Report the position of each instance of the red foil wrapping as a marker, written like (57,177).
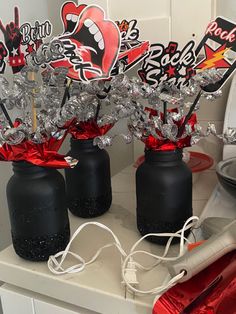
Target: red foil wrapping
(88,130)
(165,145)
(212,291)
(44,155)
(198,162)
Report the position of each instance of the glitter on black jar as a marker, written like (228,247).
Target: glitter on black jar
(38,213)
(88,185)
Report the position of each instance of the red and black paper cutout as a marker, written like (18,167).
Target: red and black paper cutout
(172,65)
(3,55)
(128,29)
(34,35)
(219,40)
(13,38)
(92,42)
(132,50)
(169,64)
(21,40)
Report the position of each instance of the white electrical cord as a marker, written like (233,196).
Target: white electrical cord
(56,267)
(173,281)
(55,263)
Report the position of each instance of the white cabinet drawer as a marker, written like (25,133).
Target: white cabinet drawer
(15,303)
(42,307)
(20,301)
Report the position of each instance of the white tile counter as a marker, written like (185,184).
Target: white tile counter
(97,289)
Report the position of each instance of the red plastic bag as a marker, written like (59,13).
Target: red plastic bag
(212,291)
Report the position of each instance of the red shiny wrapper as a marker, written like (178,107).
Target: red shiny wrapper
(212,291)
(152,143)
(88,130)
(197,162)
(44,155)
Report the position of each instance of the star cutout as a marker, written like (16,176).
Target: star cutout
(15,52)
(30,48)
(170,71)
(214,58)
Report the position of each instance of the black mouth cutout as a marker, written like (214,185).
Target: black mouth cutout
(70,27)
(87,39)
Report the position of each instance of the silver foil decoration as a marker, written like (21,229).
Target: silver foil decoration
(127,137)
(71,161)
(229,136)
(169,132)
(103,141)
(13,136)
(126,98)
(47,53)
(212,96)
(106,140)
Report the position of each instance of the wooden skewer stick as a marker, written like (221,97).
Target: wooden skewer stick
(66,93)
(34,111)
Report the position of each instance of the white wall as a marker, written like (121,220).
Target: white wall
(189,19)
(226,8)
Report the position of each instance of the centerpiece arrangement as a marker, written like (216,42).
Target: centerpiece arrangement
(89,192)
(36,192)
(51,106)
(60,106)
(164,118)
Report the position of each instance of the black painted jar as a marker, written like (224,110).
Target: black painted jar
(88,185)
(38,214)
(164,193)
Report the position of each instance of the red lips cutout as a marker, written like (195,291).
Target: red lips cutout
(96,42)
(70,8)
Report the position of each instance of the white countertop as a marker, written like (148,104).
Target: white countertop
(98,288)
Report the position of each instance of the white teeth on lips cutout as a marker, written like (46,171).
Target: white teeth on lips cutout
(69,17)
(98,36)
(88,23)
(101,45)
(72,17)
(94,30)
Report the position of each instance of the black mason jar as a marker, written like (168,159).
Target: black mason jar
(38,214)
(88,185)
(164,193)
